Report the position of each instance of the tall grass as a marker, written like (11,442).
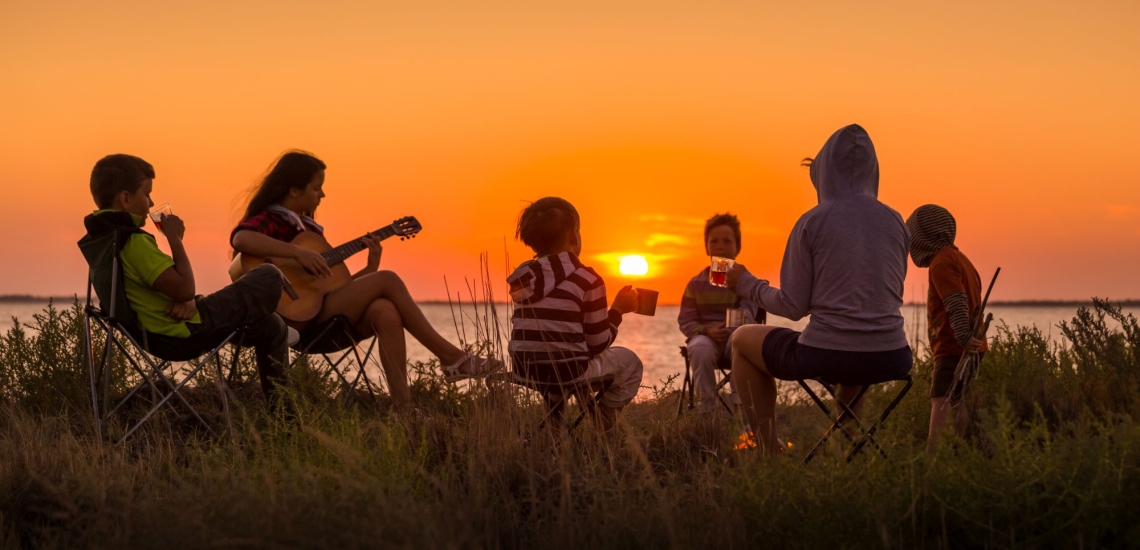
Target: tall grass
(1054,462)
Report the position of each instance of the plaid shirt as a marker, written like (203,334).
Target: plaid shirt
(270,224)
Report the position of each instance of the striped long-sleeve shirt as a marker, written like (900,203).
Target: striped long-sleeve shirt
(952,302)
(560,320)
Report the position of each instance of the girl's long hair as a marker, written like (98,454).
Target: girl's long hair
(292,170)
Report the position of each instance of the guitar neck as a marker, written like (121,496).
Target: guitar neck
(341,253)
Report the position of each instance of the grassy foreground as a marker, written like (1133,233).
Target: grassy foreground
(1054,462)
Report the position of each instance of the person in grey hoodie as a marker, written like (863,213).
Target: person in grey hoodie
(844,265)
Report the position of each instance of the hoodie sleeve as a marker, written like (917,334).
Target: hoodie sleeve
(796,274)
(689,318)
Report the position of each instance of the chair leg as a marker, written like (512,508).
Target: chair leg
(838,422)
(589,405)
(819,403)
(869,434)
(223,383)
(306,351)
(847,412)
(362,363)
(108,355)
(686,384)
(89,360)
(587,408)
(724,382)
(555,411)
(145,382)
(234,361)
(156,369)
(334,367)
(175,389)
(223,393)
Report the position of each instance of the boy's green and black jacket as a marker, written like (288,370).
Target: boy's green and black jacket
(140,305)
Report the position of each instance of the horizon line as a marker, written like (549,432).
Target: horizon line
(1035,302)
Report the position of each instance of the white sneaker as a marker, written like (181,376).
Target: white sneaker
(474,367)
(293,336)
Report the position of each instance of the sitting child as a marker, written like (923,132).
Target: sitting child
(952,306)
(160,288)
(703,307)
(561,331)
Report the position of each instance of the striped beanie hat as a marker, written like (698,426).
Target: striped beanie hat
(932,228)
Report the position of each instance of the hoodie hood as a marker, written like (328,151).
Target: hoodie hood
(932,228)
(537,278)
(846,166)
(102,222)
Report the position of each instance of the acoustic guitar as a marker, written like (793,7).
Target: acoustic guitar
(308,291)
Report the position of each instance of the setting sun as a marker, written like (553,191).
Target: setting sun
(633,265)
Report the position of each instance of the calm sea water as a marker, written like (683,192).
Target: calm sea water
(655,339)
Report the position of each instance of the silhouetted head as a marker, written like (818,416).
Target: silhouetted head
(845,166)
(116,175)
(293,171)
(722,236)
(932,228)
(550,225)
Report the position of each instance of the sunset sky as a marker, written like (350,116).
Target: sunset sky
(1021,118)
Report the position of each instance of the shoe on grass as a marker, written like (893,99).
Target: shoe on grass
(470,366)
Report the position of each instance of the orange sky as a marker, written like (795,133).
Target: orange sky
(1020,119)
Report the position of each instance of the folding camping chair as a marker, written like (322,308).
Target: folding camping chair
(866,433)
(331,336)
(724,367)
(587,392)
(121,332)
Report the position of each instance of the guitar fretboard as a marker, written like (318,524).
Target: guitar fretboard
(341,253)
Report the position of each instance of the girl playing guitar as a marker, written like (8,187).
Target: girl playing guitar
(376,302)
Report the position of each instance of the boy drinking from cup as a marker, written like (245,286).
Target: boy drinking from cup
(561,329)
(160,288)
(704,310)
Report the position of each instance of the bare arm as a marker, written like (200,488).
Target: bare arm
(375,250)
(176,282)
(256,244)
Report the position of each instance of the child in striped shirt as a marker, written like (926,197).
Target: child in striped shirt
(561,330)
(702,315)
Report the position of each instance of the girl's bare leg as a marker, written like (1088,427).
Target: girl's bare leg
(383,320)
(354,298)
(757,388)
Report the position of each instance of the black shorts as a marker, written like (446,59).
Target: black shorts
(787,359)
(943,376)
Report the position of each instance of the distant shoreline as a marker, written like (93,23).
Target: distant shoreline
(1059,303)
(29,298)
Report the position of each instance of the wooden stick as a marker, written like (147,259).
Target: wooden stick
(962,371)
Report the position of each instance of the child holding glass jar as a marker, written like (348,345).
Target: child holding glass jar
(706,307)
